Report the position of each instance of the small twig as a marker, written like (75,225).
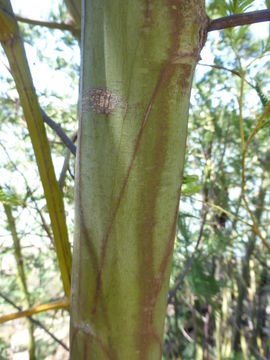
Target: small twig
(57,128)
(44,225)
(243,185)
(221,209)
(221,68)
(65,166)
(47,24)
(66,163)
(54,305)
(181,277)
(239,19)
(36,322)
(232,71)
(240,102)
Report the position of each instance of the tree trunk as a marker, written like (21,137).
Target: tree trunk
(138,60)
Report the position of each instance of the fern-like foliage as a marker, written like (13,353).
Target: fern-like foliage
(229,7)
(265,101)
(8,197)
(238,6)
(263,98)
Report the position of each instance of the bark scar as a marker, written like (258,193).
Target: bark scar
(100,100)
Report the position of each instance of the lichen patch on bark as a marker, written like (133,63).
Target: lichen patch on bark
(100,101)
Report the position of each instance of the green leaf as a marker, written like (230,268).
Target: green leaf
(190,179)
(190,189)
(238,6)
(261,95)
(190,185)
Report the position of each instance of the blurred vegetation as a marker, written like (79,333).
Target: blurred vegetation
(221,308)
(219,301)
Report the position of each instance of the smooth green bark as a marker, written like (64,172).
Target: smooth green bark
(138,60)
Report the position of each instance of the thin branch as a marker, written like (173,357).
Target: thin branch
(243,185)
(55,305)
(44,225)
(240,102)
(36,322)
(239,19)
(54,126)
(13,46)
(220,163)
(48,24)
(219,67)
(66,163)
(57,128)
(232,71)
